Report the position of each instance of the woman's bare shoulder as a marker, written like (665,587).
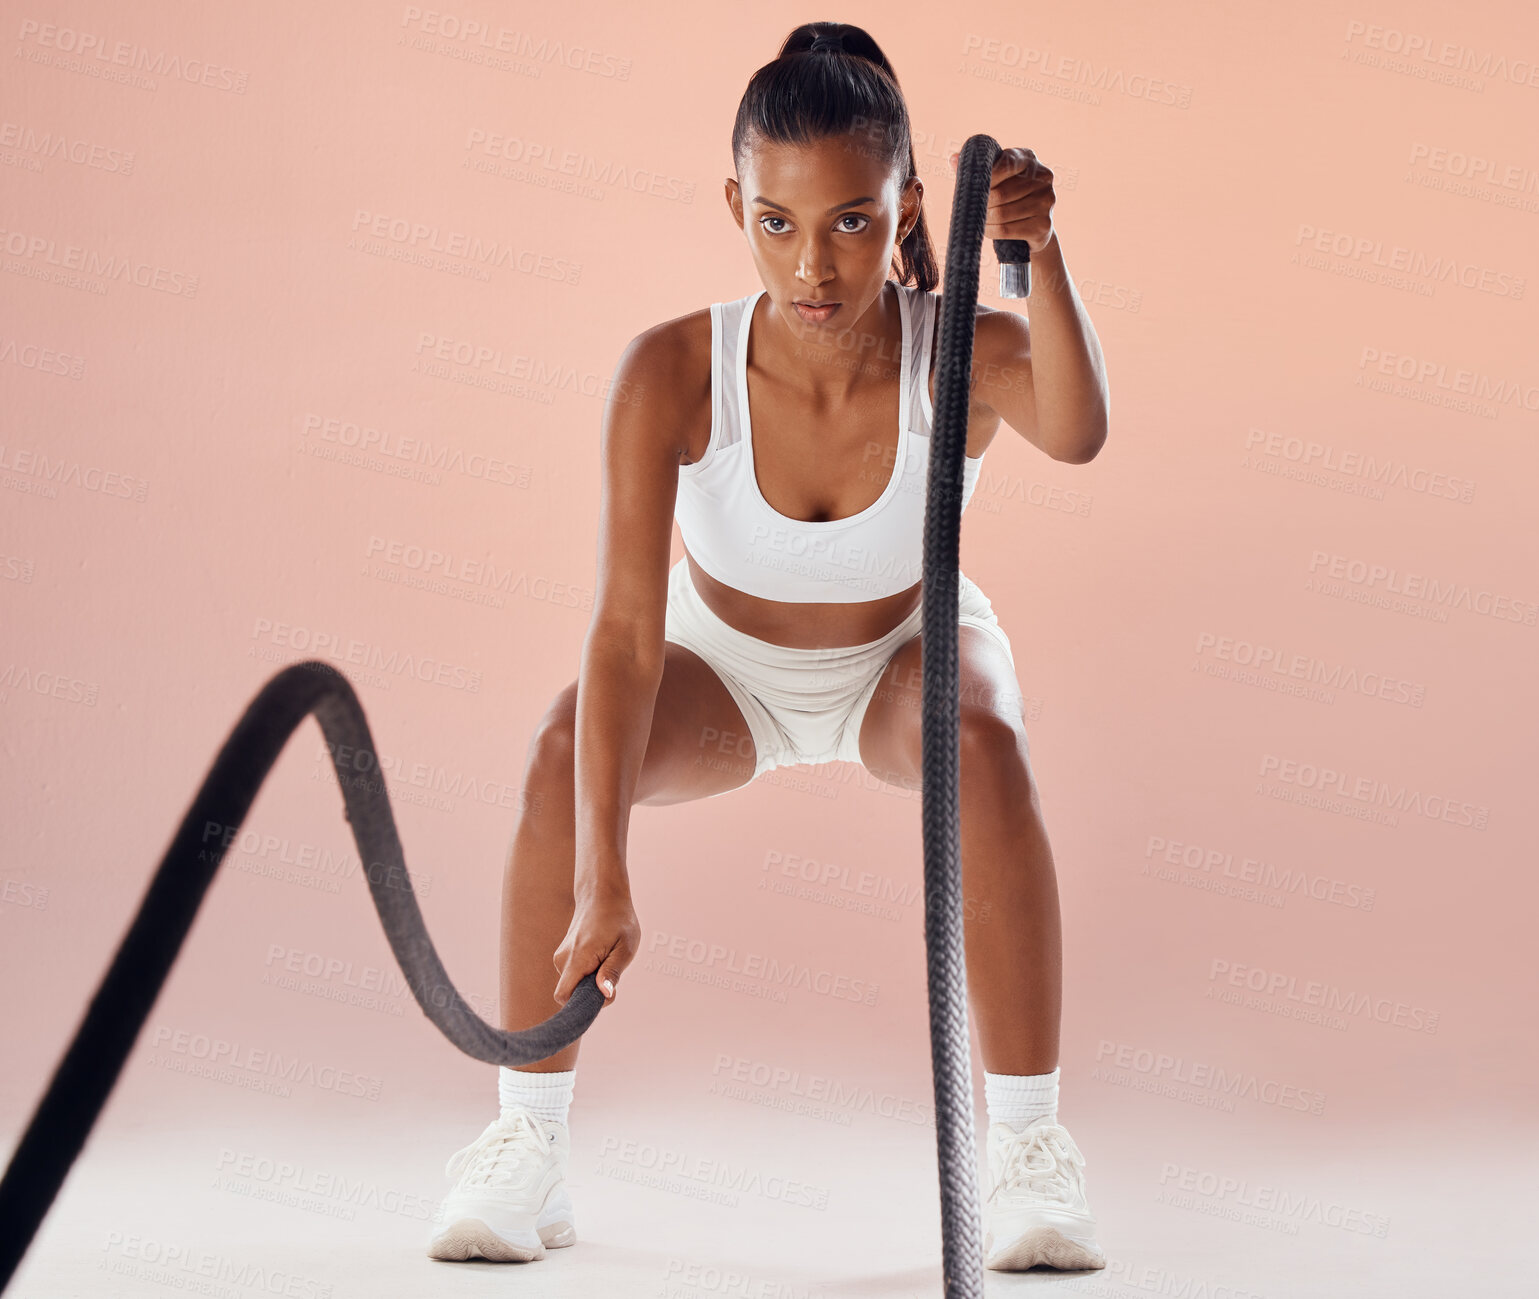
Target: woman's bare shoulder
(980,330)
(671,361)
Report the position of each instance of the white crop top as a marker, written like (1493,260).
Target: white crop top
(739,539)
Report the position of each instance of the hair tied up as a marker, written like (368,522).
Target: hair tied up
(795,101)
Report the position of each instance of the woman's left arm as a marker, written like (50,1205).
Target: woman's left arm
(1048,381)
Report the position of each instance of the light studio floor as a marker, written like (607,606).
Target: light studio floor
(269,1200)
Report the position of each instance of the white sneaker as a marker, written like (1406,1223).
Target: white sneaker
(1036,1211)
(510,1202)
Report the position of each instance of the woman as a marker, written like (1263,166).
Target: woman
(788,433)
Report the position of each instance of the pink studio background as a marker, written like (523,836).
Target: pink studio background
(1319,328)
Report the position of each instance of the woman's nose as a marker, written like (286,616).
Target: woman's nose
(813,268)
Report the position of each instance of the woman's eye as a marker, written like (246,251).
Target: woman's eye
(849,230)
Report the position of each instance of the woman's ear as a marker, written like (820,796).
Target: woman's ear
(909,207)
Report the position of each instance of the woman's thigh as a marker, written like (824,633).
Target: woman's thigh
(891,730)
(699,744)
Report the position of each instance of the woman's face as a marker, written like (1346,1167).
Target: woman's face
(823,221)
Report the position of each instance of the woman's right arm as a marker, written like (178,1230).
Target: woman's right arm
(647,418)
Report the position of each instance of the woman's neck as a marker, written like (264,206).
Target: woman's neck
(832,365)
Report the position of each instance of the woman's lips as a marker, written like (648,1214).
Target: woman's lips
(816,315)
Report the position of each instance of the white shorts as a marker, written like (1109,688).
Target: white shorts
(802,705)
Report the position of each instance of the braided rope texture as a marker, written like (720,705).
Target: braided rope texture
(950,1050)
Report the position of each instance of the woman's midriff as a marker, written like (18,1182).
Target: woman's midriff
(804,626)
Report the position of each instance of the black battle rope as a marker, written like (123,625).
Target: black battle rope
(90,1067)
(950,1048)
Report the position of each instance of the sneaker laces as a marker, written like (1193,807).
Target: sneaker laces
(1042,1163)
(502,1153)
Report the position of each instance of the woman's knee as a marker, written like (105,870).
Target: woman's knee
(553,746)
(993,746)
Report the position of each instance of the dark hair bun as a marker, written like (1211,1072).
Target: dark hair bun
(794,99)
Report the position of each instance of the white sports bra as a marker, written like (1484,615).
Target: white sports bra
(738,538)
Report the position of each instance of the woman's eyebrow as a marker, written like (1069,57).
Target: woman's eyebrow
(837,207)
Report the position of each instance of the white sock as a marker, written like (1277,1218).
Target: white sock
(1021,1098)
(548,1095)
